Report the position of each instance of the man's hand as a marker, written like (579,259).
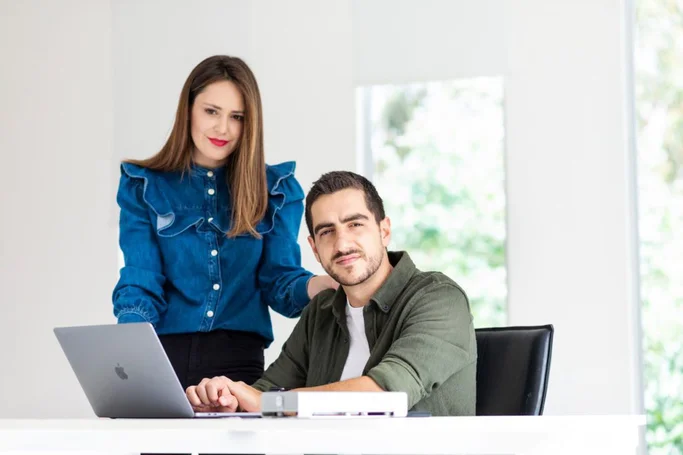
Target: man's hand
(220,394)
(212,395)
(249,398)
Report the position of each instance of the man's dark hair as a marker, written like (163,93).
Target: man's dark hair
(332,182)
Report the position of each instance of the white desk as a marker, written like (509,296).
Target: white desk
(428,435)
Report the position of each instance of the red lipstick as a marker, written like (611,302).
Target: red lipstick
(218,142)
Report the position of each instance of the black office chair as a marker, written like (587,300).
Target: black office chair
(512,369)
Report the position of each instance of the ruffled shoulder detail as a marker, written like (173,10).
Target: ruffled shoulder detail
(169,222)
(283,188)
(282,183)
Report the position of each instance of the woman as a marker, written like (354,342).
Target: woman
(209,232)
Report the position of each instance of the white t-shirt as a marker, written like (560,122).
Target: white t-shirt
(359,350)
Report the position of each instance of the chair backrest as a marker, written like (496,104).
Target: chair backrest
(512,369)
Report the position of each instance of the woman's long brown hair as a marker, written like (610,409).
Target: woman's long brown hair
(246,167)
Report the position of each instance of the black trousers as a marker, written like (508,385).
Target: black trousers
(194,356)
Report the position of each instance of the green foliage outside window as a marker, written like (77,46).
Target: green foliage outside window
(659,114)
(439,164)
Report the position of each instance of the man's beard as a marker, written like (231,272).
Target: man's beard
(373,262)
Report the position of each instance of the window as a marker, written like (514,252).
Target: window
(659,114)
(435,151)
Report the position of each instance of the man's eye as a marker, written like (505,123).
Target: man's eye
(323,233)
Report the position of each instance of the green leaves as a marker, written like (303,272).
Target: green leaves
(659,111)
(439,163)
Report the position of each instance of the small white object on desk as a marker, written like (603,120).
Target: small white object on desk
(334,404)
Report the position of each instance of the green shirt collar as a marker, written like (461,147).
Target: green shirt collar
(386,295)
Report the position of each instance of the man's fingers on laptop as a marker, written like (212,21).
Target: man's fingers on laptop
(193,392)
(227,400)
(214,387)
(203,408)
(193,398)
(201,392)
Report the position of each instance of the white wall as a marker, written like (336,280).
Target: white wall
(571,246)
(58,255)
(401,41)
(84,84)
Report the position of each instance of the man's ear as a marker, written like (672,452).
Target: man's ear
(315,250)
(385,231)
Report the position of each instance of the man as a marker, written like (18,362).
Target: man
(389,326)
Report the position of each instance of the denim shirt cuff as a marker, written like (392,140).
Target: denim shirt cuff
(300,291)
(126,318)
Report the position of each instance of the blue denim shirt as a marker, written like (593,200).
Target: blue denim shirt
(183,274)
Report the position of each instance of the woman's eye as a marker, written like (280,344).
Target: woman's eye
(210,111)
(239,118)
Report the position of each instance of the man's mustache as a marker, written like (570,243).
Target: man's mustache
(346,253)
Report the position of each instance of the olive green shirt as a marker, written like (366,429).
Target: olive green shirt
(421,338)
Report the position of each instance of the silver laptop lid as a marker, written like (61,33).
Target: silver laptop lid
(124,371)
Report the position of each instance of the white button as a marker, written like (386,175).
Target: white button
(209,314)
(210,220)
(216,287)
(214,252)
(210,173)
(212,191)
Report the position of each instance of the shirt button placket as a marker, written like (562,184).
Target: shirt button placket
(214,267)
(214,263)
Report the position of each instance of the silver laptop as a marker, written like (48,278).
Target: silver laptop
(125,372)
